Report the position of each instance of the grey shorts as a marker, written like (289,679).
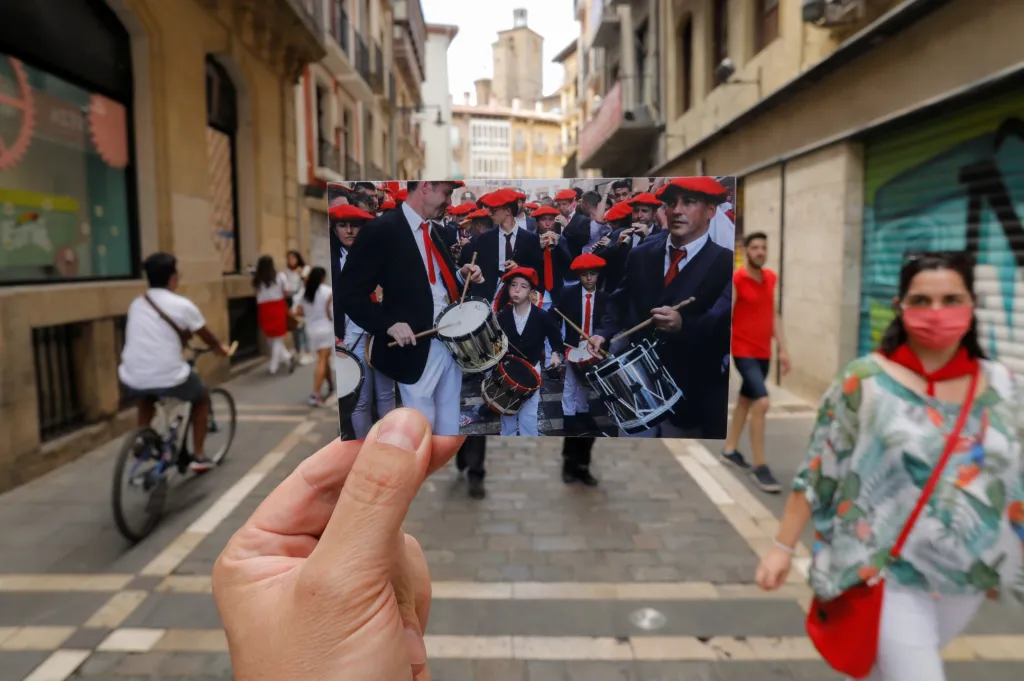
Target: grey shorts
(191,390)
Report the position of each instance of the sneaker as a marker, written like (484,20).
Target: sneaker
(736,459)
(316,400)
(306,360)
(764,479)
(200,464)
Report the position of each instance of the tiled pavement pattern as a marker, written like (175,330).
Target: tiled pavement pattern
(646,578)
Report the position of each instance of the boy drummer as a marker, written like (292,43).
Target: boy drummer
(583,305)
(527,327)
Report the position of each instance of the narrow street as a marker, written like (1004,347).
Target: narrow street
(646,578)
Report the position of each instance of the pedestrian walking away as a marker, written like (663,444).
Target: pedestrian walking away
(754,324)
(272,291)
(908,545)
(297,272)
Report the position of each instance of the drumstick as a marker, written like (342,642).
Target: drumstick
(421,334)
(650,321)
(465,288)
(578,330)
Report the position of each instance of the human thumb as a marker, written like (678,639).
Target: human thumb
(360,538)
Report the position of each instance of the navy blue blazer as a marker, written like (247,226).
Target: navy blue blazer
(694,355)
(570,303)
(527,254)
(540,326)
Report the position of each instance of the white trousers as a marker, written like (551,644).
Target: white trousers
(527,420)
(375,385)
(278,353)
(437,395)
(575,393)
(915,628)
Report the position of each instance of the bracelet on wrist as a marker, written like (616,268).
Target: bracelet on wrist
(779,545)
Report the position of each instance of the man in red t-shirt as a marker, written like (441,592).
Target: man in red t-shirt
(754,324)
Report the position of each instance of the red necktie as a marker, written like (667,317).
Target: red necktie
(432,257)
(428,246)
(673,268)
(549,276)
(586,317)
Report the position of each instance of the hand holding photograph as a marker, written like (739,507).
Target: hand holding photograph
(564,307)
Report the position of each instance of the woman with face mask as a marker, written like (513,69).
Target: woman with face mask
(939,543)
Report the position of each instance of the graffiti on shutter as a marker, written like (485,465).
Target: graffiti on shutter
(954,182)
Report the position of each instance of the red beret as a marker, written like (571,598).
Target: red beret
(519,195)
(705,186)
(348,213)
(532,206)
(401,195)
(620,211)
(462,208)
(479,213)
(545,210)
(527,273)
(645,199)
(565,195)
(587,261)
(499,198)
(388,205)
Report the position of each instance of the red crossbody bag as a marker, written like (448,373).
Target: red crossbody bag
(845,629)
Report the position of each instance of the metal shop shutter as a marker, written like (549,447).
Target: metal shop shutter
(953,181)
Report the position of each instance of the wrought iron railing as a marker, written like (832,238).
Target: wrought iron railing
(330,156)
(339,25)
(377,73)
(56,371)
(353,171)
(362,58)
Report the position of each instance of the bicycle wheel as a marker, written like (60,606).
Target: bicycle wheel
(139,468)
(220,428)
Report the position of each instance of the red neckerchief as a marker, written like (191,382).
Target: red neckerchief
(961,364)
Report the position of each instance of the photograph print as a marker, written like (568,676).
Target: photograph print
(565,307)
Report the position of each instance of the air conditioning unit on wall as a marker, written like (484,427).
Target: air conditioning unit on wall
(829,13)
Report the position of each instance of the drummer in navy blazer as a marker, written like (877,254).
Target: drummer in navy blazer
(670,267)
(527,327)
(505,247)
(584,305)
(401,253)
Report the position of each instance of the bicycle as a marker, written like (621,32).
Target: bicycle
(151,455)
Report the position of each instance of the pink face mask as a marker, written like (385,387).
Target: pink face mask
(938,329)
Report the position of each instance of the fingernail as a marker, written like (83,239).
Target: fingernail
(417,648)
(402,428)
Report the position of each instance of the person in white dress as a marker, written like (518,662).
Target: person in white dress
(316,304)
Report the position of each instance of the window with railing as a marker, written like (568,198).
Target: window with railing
(362,58)
(339,24)
(57,379)
(377,72)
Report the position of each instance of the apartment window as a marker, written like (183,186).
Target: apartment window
(685,41)
(767,18)
(720,37)
(520,140)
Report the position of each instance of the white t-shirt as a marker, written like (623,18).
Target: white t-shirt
(152,355)
(296,279)
(276,291)
(315,313)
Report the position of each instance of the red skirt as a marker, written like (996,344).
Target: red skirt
(273,318)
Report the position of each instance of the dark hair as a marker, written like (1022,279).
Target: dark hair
(579,192)
(159,268)
(300,262)
(622,184)
(754,236)
(365,185)
(265,274)
(960,262)
(363,201)
(592,199)
(316,277)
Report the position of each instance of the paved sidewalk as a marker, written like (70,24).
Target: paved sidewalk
(645,578)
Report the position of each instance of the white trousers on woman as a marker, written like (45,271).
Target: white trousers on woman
(915,628)
(278,353)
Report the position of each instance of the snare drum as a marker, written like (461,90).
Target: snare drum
(636,387)
(348,373)
(581,358)
(508,388)
(472,335)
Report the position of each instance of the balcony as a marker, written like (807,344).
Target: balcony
(374,173)
(410,143)
(410,41)
(339,44)
(604,25)
(377,72)
(613,142)
(392,92)
(353,171)
(329,157)
(362,58)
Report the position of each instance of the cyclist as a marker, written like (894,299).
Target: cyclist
(160,324)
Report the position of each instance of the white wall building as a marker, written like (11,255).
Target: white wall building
(437,97)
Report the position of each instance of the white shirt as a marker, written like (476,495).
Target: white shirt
(521,222)
(276,291)
(152,348)
(587,328)
(521,321)
(502,256)
(597,232)
(315,313)
(692,249)
(437,289)
(723,230)
(342,258)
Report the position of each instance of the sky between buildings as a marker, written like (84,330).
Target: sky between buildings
(479,21)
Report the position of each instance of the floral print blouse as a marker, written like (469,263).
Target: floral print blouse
(873,447)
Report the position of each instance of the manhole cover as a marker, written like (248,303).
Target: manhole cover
(647,619)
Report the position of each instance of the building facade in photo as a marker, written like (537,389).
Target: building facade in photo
(410,45)
(518,64)
(855,140)
(134,126)
(437,104)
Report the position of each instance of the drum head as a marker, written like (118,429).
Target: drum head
(577,355)
(460,320)
(348,373)
(521,373)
